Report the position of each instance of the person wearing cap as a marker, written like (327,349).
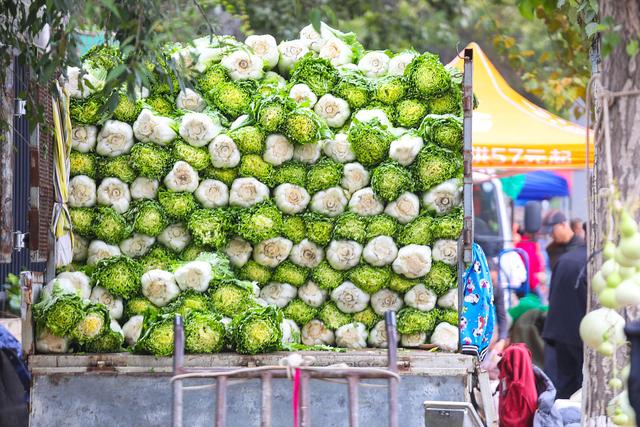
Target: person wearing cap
(567,306)
(563,238)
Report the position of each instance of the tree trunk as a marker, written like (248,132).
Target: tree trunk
(619,72)
(6,167)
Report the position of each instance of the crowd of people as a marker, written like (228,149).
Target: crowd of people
(540,293)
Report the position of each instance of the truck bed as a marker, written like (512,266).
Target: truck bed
(123,389)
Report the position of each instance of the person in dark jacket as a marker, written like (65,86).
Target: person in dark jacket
(567,307)
(563,237)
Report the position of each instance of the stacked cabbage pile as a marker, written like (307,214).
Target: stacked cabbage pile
(327,175)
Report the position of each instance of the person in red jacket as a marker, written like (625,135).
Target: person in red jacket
(518,393)
(536,261)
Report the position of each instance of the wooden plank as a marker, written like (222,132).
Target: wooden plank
(6,171)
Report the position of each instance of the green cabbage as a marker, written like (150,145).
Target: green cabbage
(369,141)
(390,180)
(110,226)
(203,333)
(260,222)
(120,167)
(120,275)
(210,227)
(150,160)
(315,72)
(350,226)
(325,174)
(257,330)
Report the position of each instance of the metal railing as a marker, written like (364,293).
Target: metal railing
(225,376)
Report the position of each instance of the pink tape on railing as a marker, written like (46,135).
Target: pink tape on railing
(296,396)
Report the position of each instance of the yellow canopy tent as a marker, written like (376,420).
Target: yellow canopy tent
(509,132)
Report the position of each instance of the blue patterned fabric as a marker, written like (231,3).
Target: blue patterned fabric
(478,315)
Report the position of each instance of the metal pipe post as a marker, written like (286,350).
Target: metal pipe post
(178,363)
(352,384)
(392,355)
(305,400)
(266,400)
(221,402)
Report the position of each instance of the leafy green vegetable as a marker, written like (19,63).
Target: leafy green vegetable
(326,277)
(332,317)
(448,315)
(120,275)
(303,126)
(370,279)
(151,160)
(435,165)
(294,228)
(157,336)
(257,330)
(260,222)
(83,164)
(87,111)
(203,333)
(409,112)
(417,232)
(390,180)
(401,284)
(440,278)
(187,302)
(325,174)
(448,226)
(177,205)
(120,167)
(226,175)
(290,172)
(252,165)
(350,226)
(148,218)
(367,317)
(158,258)
(369,141)
(110,226)
(445,131)
(255,272)
(319,228)
(60,313)
(382,225)
(315,72)
(288,272)
(127,110)
(427,76)
(413,321)
(82,220)
(300,312)
(213,76)
(140,306)
(390,90)
(231,300)
(197,157)
(210,227)
(249,139)
(93,324)
(353,88)
(231,98)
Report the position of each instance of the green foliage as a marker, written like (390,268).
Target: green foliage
(252,165)
(413,321)
(151,160)
(210,227)
(197,157)
(83,164)
(288,272)
(368,278)
(110,226)
(441,278)
(319,228)
(192,251)
(257,331)
(315,72)
(390,180)
(102,56)
(324,174)
(249,139)
(445,131)
(120,275)
(231,98)
(290,172)
(435,165)
(203,333)
(448,226)
(177,205)
(59,314)
(390,90)
(449,102)
(326,277)
(370,142)
(294,228)
(255,272)
(350,226)
(332,317)
(157,336)
(119,167)
(82,220)
(417,232)
(300,312)
(382,225)
(427,76)
(148,218)
(260,222)
(409,112)
(109,342)
(367,317)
